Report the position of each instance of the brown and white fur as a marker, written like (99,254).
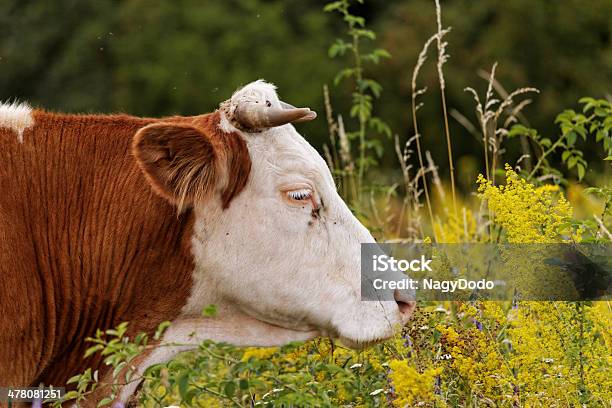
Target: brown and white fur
(105,219)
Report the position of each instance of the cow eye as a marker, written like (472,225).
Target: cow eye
(303,194)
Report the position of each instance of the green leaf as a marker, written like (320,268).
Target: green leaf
(581,131)
(520,130)
(338,48)
(91,351)
(571,138)
(362,32)
(244,384)
(565,128)
(565,155)
(141,339)
(380,126)
(105,401)
(382,53)
(230,389)
(334,50)
(161,329)
(191,394)
(118,369)
(370,84)
(581,171)
(565,117)
(572,162)
(589,103)
(70,395)
(183,385)
(74,379)
(209,311)
(592,190)
(354,21)
(345,73)
(119,331)
(336,5)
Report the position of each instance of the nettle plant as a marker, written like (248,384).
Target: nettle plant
(352,170)
(593,124)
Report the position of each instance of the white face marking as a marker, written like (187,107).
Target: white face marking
(271,256)
(17,117)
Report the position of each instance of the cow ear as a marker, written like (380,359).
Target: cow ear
(179,161)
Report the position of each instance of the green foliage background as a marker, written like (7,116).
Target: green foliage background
(157,58)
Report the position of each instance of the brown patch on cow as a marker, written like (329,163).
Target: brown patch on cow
(85,242)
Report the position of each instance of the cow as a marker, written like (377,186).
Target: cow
(113,218)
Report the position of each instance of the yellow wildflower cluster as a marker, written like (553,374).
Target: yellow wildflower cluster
(411,386)
(528,214)
(561,351)
(598,367)
(259,353)
(473,358)
(493,312)
(460,227)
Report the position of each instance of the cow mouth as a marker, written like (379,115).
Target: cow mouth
(364,343)
(361,345)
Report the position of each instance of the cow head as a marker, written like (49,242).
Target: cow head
(272,237)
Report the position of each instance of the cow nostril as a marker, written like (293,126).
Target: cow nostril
(405,305)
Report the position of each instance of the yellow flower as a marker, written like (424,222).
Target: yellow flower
(527,213)
(456,228)
(259,353)
(412,386)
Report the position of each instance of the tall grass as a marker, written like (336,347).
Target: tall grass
(442,59)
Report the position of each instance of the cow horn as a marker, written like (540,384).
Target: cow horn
(256,116)
(312,115)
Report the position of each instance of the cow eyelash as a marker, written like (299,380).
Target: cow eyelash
(300,195)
